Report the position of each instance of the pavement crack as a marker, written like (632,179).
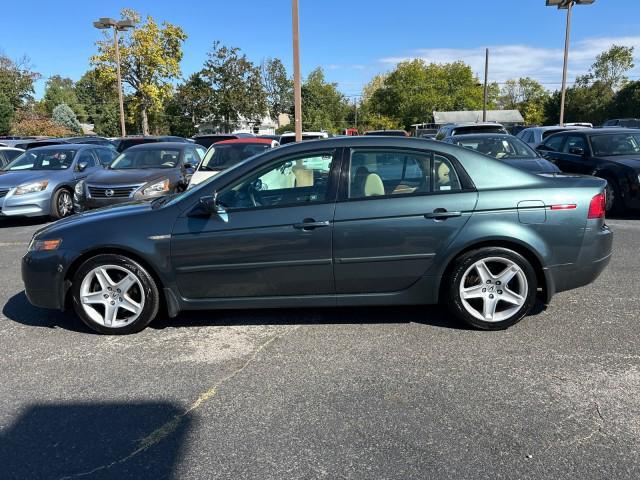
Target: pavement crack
(169,427)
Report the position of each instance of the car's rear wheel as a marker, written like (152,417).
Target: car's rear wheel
(115,295)
(61,204)
(491,288)
(613,197)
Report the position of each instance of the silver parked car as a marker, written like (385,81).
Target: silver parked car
(534,136)
(40,182)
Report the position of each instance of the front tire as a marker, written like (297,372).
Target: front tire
(491,288)
(61,204)
(114,295)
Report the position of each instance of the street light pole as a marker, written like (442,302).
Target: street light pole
(118,26)
(486,84)
(297,86)
(120,96)
(567,36)
(568,6)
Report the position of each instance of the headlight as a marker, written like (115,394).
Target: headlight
(44,245)
(158,187)
(31,187)
(79,189)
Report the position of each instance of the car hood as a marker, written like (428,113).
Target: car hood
(533,165)
(18,177)
(132,176)
(632,161)
(97,215)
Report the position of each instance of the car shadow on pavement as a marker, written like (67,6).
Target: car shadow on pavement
(8,222)
(94,440)
(628,215)
(21,311)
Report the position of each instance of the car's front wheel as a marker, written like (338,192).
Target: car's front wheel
(491,288)
(115,295)
(61,204)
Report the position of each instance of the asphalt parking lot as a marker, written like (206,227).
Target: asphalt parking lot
(349,393)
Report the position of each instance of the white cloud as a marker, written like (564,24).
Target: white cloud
(513,61)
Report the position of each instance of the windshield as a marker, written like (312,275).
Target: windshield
(152,158)
(498,147)
(43,160)
(220,157)
(616,144)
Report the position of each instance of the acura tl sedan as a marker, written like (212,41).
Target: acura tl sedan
(339,222)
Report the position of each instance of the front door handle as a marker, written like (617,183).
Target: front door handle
(442,214)
(310,224)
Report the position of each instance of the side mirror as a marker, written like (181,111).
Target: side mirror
(210,204)
(82,166)
(576,151)
(188,166)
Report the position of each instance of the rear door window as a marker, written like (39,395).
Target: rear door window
(574,141)
(554,143)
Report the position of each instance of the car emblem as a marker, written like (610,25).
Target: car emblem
(108,192)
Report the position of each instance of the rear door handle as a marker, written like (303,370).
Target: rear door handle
(442,214)
(310,224)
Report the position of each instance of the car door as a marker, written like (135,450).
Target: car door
(573,157)
(397,212)
(550,148)
(274,238)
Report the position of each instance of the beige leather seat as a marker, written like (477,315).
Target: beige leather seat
(443,174)
(304,176)
(373,186)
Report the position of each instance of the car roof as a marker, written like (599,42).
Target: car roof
(601,131)
(483,135)
(12,148)
(159,146)
(475,124)
(262,141)
(292,134)
(64,146)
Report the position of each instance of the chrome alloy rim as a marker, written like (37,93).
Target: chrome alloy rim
(65,204)
(493,289)
(112,296)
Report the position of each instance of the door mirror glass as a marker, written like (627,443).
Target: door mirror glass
(209,204)
(82,166)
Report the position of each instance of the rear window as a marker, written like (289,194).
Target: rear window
(130,142)
(547,133)
(478,129)
(220,157)
(207,141)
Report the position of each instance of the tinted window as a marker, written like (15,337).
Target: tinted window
(223,156)
(617,144)
(191,157)
(445,176)
(106,155)
(87,157)
(478,129)
(574,141)
(548,133)
(497,147)
(156,158)
(554,143)
(298,180)
(11,155)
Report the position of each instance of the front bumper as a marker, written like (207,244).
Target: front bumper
(28,205)
(594,257)
(81,205)
(43,278)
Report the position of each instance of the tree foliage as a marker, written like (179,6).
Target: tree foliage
(6,115)
(150,60)
(278,87)
(59,90)
(98,96)
(527,96)
(236,85)
(193,101)
(414,89)
(16,81)
(64,116)
(30,124)
(324,107)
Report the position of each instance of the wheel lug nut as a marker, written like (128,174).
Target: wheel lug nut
(497,283)
(120,299)
(490,296)
(499,292)
(109,288)
(488,281)
(484,290)
(113,303)
(118,290)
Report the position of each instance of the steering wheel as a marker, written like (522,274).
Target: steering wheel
(253,190)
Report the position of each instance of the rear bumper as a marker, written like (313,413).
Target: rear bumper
(594,257)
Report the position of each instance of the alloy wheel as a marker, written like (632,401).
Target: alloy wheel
(112,296)
(65,204)
(493,289)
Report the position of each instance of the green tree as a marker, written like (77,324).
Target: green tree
(278,87)
(236,85)
(626,102)
(59,90)
(28,123)
(98,96)
(413,90)
(193,101)
(611,66)
(150,60)
(6,115)
(323,106)
(65,117)
(16,81)
(527,96)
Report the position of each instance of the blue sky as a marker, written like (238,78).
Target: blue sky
(352,40)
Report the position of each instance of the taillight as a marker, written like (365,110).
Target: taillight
(598,206)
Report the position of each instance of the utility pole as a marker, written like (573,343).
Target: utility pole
(486,85)
(355,105)
(297,88)
(118,26)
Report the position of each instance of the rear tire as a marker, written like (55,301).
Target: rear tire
(114,295)
(61,204)
(614,201)
(491,288)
